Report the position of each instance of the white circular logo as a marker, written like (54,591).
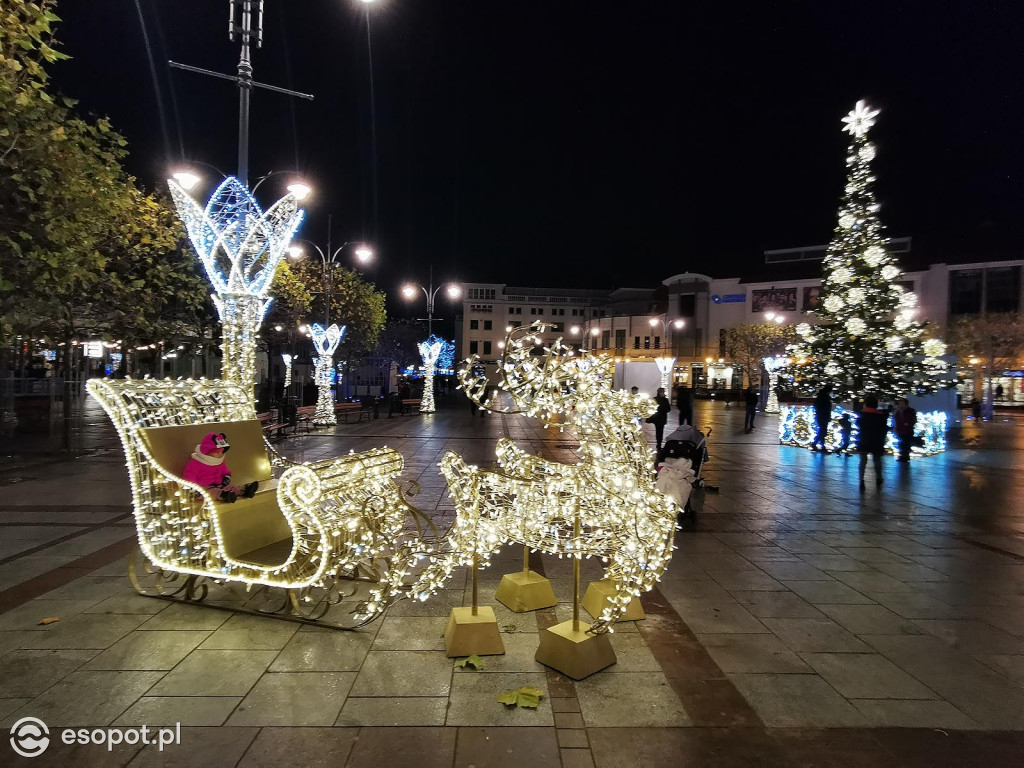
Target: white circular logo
(30,737)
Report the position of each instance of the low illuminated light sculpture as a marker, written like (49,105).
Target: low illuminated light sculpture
(309,531)
(326,341)
(774,365)
(798,427)
(665,366)
(287,369)
(430,351)
(240,247)
(605,506)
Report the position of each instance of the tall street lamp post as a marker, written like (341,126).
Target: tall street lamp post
(409,292)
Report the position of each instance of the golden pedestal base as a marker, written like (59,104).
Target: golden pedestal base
(574,654)
(467,634)
(596,600)
(525,591)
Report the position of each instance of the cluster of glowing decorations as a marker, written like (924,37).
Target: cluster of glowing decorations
(430,351)
(326,341)
(665,366)
(865,338)
(774,365)
(240,247)
(605,506)
(797,426)
(314,534)
(287,369)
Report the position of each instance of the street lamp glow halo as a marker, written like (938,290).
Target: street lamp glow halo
(187,179)
(295,251)
(408,291)
(364,253)
(299,190)
(454,291)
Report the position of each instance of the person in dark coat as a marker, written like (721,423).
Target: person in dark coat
(660,417)
(823,415)
(872,427)
(684,402)
(751,399)
(903,421)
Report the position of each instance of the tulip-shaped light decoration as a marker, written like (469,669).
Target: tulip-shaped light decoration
(430,351)
(326,341)
(665,365)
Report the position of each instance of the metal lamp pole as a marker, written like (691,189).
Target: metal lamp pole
(409,291)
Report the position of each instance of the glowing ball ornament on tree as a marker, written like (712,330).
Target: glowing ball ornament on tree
(326,341)
(240,247)
(866,339)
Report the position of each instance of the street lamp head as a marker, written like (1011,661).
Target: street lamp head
(364,253)
(678,323)
(186,179)
(779,319)
(575,330)
(409,291)
(300,190)
(454,291)
(295,251)
(653,321)
(278,328)
(595,331)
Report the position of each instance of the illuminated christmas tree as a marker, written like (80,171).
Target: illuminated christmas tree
(867,339)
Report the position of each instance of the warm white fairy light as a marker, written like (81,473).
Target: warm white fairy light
(430,351)
(240,247)
(798,426)
(624,519)
(287,369)
(346,516)
(773,365)
(865,339)
(665,366)
(326,341)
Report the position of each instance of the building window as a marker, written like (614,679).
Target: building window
(473,346)
(515,323)
(688,305)
(657,342)
(488,325)
(558,327)
(965,287)
(647,342)
(620,341)
(481,308)
(606,339)
(487,349)
(1002,289)
(474,325)
(636,342)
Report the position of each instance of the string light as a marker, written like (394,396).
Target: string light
(287,369)
(798,427)
(326,341)
(430,351)
(665,366)
(240,248)
(623,519)
(774,365)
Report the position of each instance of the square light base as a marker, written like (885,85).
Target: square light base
(574,654)
(525,591)
(467,634)
(597,597)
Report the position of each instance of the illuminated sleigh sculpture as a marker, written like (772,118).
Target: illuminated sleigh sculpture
(604,506)
(312,536)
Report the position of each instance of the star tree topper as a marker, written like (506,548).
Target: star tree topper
(860,120)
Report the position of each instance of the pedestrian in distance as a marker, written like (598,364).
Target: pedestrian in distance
(684,402)
(872,428)
(823,415)
(845,430)
(903,420)
(660,417)
(751,399)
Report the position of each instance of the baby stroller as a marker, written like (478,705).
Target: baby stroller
(681,459)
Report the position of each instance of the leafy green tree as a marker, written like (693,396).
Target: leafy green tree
(750,343)
(997,338)
(398,340)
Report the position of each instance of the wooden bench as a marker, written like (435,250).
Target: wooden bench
(409,404)
(344,409)
(304,416)
(269,424)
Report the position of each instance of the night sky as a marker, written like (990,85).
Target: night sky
(585,144)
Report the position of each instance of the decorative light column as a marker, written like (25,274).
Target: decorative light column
(773,365)
(326,341)
(287,370)
(665,366)
(430,351)
(240,247)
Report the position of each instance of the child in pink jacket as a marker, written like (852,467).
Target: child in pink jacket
(208,469)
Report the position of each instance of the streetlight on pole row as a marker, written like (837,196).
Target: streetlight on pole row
(329,258)
(676,325)
(409,292)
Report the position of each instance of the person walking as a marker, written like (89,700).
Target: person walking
(660,417)
(751,400)
(903,420)
(684,402)
(823,415)
(872,427)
